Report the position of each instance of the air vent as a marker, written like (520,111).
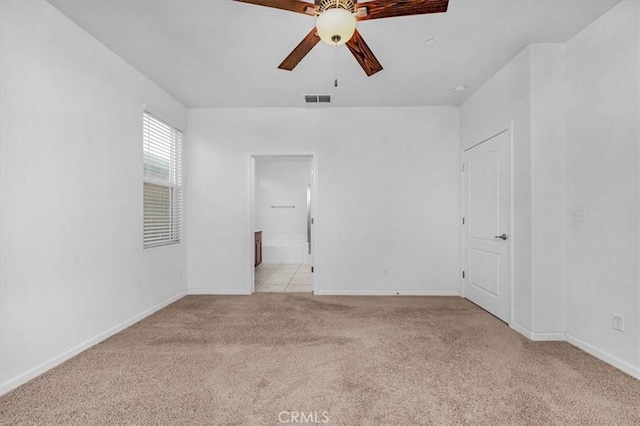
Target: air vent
(312,99)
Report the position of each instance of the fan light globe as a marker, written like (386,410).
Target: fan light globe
(336,26)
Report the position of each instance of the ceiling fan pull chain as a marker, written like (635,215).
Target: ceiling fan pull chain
(335,82)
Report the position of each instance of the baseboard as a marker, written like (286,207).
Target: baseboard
(580,344)
(520,329)
(548,337)
(212,292)
(385,293)
(539,337)
(206,291)
(31,374)
(603,356)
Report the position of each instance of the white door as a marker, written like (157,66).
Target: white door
(486,228)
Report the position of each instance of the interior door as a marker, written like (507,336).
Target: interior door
(487,221)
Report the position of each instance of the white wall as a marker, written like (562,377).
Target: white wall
(388,196)
(72,264)
(506,99)
(575,108)
(282,182)
(602,174)
(530,93)
(548,194)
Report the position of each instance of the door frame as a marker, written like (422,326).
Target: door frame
(512,237)
(313,156)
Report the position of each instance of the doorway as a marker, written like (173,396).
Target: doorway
(487,225)
(282,219)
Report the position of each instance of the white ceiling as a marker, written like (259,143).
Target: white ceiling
(221,53)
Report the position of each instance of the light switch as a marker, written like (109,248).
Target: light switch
(578,213)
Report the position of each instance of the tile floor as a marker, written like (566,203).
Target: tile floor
(283,278)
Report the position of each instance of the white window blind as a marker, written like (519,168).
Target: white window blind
(162,146)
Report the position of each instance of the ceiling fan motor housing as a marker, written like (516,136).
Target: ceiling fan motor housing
(337,4)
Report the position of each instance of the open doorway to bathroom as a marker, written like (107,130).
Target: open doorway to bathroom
(282,219)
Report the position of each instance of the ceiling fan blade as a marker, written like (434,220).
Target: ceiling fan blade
(300,51)
(363,54)
(291,5)
(377,9)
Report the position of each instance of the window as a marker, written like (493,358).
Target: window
(162,147)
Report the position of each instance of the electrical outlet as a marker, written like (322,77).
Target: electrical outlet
(618,322)
(386,272)
(578,213)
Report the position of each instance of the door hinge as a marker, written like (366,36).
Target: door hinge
(462,274)
(312,269)
(463,167)
(312,221)
(463,220)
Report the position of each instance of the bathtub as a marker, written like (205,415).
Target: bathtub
(285,249)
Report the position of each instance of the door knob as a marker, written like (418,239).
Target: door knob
(502,237)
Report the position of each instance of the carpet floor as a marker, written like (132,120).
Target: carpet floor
(296,358)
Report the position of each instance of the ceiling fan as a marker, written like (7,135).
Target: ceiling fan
(336,24)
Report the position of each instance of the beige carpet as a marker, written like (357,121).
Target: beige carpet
(210,360)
